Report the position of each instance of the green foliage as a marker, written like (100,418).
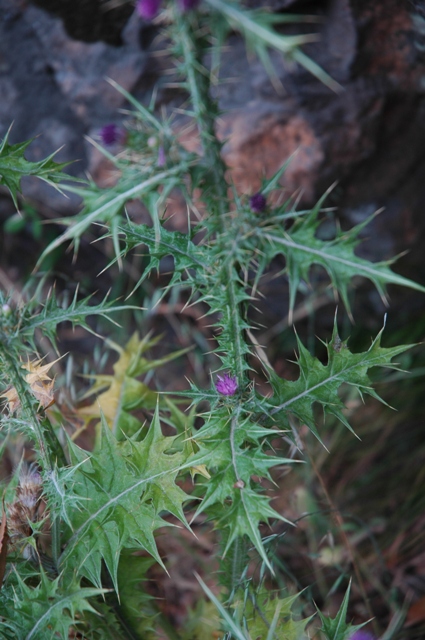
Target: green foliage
(302,249)
(104,505)
(19,324)
(121,491)
(319,384)
(337,628)
(260,615)
(231,446)
(256,26)
(45,610)
(14,166)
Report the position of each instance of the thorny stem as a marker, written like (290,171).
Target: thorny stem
(204,111)
(198,81)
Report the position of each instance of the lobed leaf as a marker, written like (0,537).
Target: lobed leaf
(123,488)
(337,628)
(49,607)
(319,383)
(14,166)
(231,447)
(302,248)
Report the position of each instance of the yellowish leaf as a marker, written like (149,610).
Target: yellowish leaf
(39,382)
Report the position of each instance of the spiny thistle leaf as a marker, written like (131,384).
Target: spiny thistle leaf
(224,447)
(137,603)
(185,253)
(48,316)
(209,270)
(14,166)
(319,383)
(302,249)
(123,488)
(269,617)
(228,622)
(102,206)
(39,612)
(337,628)
(257,29)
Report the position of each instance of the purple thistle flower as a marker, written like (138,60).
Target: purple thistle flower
(226,385)
(362,635)
(112,133)
(257,202)
(188,5)
(148,9)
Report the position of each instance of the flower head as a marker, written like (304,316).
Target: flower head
(257,202)
(226,385)
(148,9)
(112,133)
(188,5)
(362,635)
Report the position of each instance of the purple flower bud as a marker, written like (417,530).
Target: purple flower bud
(226,385)
(112,133)
(257,202)
(148,9)
(362,635)
(188,5)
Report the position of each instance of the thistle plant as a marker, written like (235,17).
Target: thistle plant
(89,530)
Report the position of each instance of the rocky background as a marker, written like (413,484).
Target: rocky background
(369,137)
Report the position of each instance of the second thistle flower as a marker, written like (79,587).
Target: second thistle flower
(148,9)
(226,385)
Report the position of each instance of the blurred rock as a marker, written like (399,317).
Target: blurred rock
(369,137)
(54,88)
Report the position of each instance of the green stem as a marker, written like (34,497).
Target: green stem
(205,110)
(238,342)
(216,194)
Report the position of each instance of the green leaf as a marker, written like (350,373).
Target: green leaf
(48,316)
(104,206)
(14,166)
(230,447)
(270,617)
(49,609)
(162,243)
(257,28)
(319,383)
(302,249)
(337,628)
(228,621)
(122,490)
(260,615)
(137,604)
